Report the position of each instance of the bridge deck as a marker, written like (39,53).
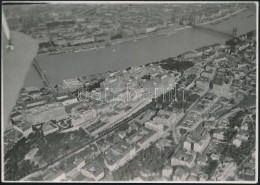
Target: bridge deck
(213,30)
(43,76)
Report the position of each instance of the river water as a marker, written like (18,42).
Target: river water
(135,53)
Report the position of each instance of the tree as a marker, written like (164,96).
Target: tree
(232,101)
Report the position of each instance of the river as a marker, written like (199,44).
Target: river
(135,53)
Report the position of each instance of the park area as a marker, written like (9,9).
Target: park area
(248,101)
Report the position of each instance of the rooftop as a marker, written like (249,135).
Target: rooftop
(185,156)
(117,152)
(94,167)
(52,174)
(203,79)
(48,126)
(22,125)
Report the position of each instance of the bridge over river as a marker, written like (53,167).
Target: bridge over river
(233,34)
(44,77)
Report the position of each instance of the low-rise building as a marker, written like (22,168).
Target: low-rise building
(67,99)
(200,174)
(77,119)
(118,155)
(23,127)
(197,141)
(44,113)
(71,170)
(180,174)
(227,169)
(16,116)
(247,174)
(101,37)
(202,82)
(122,134)
(93,170)
(150,29)
(89,114)
(34,94)
(80,162)
(55,176)
(154,126)
(167,171)
(139,31)
(184,158)
(190,54)
(207,74)
(71,84)
(219,134)
(49,128)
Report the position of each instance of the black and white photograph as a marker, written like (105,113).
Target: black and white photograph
(129,91)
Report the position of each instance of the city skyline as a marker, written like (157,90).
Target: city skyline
(135,93)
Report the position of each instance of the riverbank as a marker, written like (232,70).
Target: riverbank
(134,53)
(222,18)
(161,32)
(107,73)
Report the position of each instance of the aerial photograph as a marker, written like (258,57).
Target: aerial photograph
(129,91)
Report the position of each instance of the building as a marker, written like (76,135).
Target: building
(237,141)
(71,84)
(89,114)
(77,119)
(55,176)
(35,103)
(127,32)
(93,170)
(49,128)
(23,127)
(101,37)
(143,137)
(167,171)
(83,41)
(168,118)
(203,159)
(143,118)
(241,136)
(122,134)
(184,158)
(218,81)
(80,162)
(210,66)
(34,94)
(139,31)
(118,155)
(67,99)
(161,119)
(71,170)
(16,116)
(180,174)
(200,174)
(191,54)
(202,82)
(197,140)
(154,126)
(44,113)
(148,139)
(228,169)
(151,29)
(163,143)
(247,174)
(80,178)
(207,74)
